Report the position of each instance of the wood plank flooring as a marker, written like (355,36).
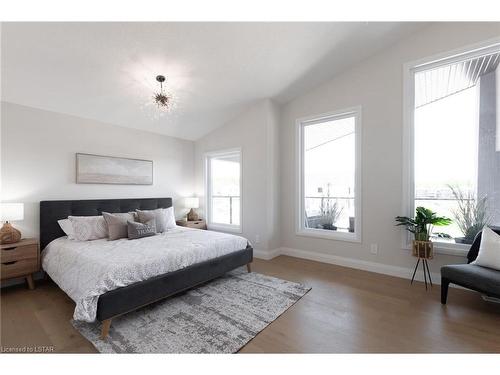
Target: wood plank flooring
(347,310)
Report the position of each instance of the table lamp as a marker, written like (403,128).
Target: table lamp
(192,203)
(10,212)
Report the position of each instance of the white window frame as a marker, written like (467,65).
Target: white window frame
(409,70)
(208,194)
(300,230)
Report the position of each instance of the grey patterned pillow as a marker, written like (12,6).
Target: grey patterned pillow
(148,215)
(88,228)
(117,224)
(139,230)
(164,218)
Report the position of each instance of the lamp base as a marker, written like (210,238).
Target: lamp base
(9,234)
(192,215)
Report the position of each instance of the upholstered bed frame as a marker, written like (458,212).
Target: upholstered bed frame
(132,297)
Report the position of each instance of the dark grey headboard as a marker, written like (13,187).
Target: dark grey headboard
(51,211)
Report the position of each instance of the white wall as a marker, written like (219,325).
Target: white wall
(255,132)
(377,85)
(38,160)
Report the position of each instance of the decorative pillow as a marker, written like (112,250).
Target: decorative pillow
(146,216)
(140,230)
(67,228)
(86,228)
(164,218)
(169,213)
(489,250)
(117,224)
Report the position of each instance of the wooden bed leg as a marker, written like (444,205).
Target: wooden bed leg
(105,328)
(249,267)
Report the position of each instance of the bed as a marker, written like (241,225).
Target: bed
(139,272)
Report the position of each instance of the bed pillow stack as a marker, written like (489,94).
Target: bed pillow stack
(164,218)
(118,225)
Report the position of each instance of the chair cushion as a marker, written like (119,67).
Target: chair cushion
(475,277)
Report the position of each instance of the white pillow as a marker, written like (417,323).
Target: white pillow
(67,228)
(86,228)
(170,218)
(489,250)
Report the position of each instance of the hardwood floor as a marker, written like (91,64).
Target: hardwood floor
(347,310)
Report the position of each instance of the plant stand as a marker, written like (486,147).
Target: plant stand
(423,250)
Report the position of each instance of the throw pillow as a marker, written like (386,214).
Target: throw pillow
(164,218)
(170,218)
(489,250)
(86,228)
(117,224)
(67,228)
(139,230)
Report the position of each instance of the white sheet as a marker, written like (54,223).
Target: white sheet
(85,270)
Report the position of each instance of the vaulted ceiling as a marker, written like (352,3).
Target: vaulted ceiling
(106,71)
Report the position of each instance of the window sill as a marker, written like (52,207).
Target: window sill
(224,228)
(329,235)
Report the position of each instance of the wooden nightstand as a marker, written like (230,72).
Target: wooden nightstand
(198,224)
(20,259)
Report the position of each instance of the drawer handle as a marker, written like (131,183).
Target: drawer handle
(9,263)
(10,248)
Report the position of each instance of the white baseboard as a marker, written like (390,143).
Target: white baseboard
(266,254)
(364,265)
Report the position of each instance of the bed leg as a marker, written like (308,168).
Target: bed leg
(105,328)
(249,267)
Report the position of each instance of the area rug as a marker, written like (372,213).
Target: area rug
(218,317)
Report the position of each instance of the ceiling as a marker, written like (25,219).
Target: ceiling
(106,71)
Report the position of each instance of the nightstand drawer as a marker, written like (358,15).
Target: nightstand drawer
(197,224)
(18,268)
(18,253)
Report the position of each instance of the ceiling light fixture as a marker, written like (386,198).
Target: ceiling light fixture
(161,99)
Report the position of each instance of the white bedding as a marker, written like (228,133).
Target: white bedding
(85,270)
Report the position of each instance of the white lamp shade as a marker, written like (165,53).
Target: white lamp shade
(11,211)
(193,202)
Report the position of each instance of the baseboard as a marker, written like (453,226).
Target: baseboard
(364,265)
(266,254)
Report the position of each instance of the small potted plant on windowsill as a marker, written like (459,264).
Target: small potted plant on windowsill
(470,216)
(329,212)
(421,226)
(329,216)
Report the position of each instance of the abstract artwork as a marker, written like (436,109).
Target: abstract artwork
(97,169)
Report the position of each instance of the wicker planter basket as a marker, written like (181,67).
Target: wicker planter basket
(423,249)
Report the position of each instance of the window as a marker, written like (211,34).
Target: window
(223,187)
(329,176)
(454,143)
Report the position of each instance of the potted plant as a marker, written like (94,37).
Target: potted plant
(470,216)
(329,216)
(421,226)
(329,212)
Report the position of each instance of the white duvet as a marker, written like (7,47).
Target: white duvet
(87,269)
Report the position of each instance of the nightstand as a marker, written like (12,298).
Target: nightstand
(20,259)
(198,224)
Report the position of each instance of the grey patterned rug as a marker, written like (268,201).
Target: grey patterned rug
(218,317)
